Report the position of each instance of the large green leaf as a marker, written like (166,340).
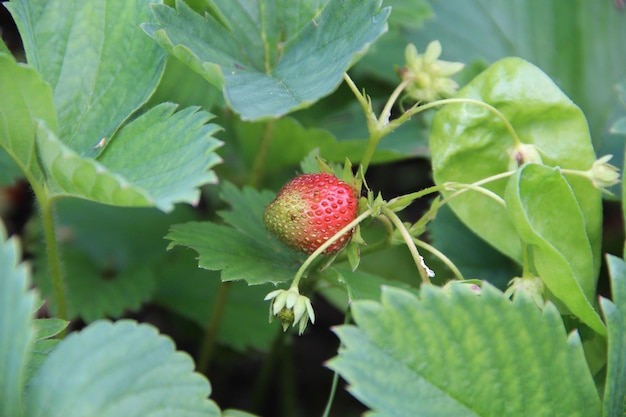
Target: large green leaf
(16,327)
(94,55)
(615,315)
(268,58)
(25,99)
(110,256)
(462,354)
(158,159)
(544,210)
(469,143)
(243,249)
(581,45)
(120,369)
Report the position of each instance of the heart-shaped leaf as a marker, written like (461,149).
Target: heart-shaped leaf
(543,208)
(470,143)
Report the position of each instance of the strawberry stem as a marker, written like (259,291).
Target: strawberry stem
(443,258)
(327,244)
(424,272)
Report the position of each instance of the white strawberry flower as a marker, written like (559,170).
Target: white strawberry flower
(429,77)
(290,307)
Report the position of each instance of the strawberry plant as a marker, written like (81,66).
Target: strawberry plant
(173,171)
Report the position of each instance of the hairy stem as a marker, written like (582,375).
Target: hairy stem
(52,251)
(259,161)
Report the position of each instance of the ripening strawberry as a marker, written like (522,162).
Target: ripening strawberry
(309,210)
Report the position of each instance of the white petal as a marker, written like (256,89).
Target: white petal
(309,309)
(273,294)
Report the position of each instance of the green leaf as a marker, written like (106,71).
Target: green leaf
(615,315)
(46,328)
(9,171)
(72,175)
(192,292)
(98,288)
(581,45)
(619,127)
(256,51)
(116,369)
(290,142)
(110,256)
(25,99)
(42,344)
(3,48)
(473,257)
(543,208)
(469,143)
(409,14)
(365,286)
(462,354)
(142,166)
(97,60)
(242,249)
(166,153)
(16,329)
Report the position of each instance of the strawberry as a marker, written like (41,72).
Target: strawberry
(309,210)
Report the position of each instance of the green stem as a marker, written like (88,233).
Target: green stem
(261,156)
(360,97)
(328,243)
(461,188)
(383,119)
(408,239)
(476,186)
(418,109)
(210,336)
(441,256)
(525,261)
(368,154)
(52,250)
(373,124)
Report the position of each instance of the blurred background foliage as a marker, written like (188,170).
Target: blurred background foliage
(116,259)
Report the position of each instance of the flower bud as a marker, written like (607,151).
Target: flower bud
(531,285)
(602,174)
(523,153)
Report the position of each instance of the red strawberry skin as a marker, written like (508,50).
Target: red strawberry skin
(309,210)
